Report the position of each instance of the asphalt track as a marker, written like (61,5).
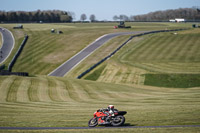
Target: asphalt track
(66,128)
(76,59)
(8,44)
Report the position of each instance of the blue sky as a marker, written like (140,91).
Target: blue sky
(102,9)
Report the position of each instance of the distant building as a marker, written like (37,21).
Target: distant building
(178,20)
(172,20)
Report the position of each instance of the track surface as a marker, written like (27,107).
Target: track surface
(64,128)
(8,44)
(75,60)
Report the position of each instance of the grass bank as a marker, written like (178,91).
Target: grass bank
(161,53)
(59,102)
(95,75)
(173,80)
(45,51)
(43,101)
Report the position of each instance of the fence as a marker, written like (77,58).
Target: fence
(2,67)
(6,72)
(107,57)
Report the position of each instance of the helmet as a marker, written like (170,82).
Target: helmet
(111,106)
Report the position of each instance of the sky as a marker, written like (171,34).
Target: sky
(102,9)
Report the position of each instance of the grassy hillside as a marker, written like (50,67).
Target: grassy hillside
(45,51)
(173,80)
(60,102)
(42,101)
(166,52)
(172,53)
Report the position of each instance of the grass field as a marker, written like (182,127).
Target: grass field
(59,102)
(162,53)
(45,51)
(166,52)
(43,101)
(173,80)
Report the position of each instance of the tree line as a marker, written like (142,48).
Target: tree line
(35,16)
(189,14)
(51,16)
(84,17)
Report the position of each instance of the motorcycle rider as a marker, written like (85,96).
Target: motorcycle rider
(107,116)
(110,113)
(111,110)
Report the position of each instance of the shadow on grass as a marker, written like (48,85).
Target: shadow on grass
(124,125)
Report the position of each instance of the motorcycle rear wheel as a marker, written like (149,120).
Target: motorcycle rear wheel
(118,121)
(93,122)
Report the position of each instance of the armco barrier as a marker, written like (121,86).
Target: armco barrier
(2,67)
(17,53)
(6,72)
(104,59)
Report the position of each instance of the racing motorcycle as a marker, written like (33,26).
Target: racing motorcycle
(102,117)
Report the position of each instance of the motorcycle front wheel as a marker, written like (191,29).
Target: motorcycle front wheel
(118,120)
(93,122)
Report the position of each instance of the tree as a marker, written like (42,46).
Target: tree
(83,17)
(35,16)
(115,18)
(73,15)
(123,18)
(186,13)
(92,18)
(63,18)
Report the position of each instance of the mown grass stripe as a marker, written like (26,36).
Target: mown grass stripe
(140,50)
(2,79)
(193,53)
(48,43)
(38,57)
(170,67)
(62,92)
(35,55)
(106,94)
(182,49)
(32,45)
(43,90)
(156,47)
(22,93)
(80,92)
(174,50)
(168,50)
(34,52)
(89,90)
(12,92)
(66,95)
(4,88)
(52,90)
(72,94)
(33,90)
(165,46)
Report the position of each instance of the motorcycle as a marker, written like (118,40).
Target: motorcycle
(102,117)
